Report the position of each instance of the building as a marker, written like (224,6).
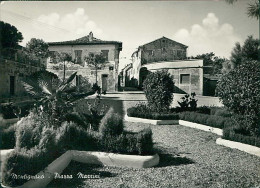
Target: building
(107,77)
(13,67)
(165,53)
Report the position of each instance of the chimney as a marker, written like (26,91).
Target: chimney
(90,36)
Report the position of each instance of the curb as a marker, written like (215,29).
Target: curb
(101,158)
(240,146)
(201,127)
(151,121)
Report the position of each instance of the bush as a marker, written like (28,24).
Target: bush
(239,90)
(233,133)
(129,143)
(29,129)
(143,111)
(220,111)
(21,163)
(210,120)
(72,137)
(111,124)
(158,89)
(7,137)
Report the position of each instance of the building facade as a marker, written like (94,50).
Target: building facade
(12,69)
(165,53)
(107,77)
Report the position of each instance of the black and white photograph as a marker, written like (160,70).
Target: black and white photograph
(130,94)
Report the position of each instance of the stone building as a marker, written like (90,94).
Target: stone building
(107,77)
(12,68)
(165,53)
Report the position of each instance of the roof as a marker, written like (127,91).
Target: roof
(177,64)
(86,40)
(164,38)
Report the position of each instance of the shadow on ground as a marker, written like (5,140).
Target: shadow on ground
(171,160)
(75,169)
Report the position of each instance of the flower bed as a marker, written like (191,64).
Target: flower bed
(38,143)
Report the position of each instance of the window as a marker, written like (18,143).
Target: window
(164,50)
(78,54)
(185,78)
(150,52)
(52,56)
(105,54)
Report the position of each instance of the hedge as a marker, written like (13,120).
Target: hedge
(230,134)
(210,120)
(140,143)
(135,112)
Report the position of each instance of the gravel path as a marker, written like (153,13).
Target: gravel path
(188,158)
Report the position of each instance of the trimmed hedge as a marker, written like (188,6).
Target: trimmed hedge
(230,133)
(140,143)
(142,111)
(210,120)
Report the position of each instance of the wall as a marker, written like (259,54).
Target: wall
(11,68)
(162,49)
(113,58)
(178,68)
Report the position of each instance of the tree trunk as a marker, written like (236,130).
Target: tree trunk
(64,71)
(96,75)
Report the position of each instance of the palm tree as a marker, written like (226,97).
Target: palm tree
(53,96)
(252,9)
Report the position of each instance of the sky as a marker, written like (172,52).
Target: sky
(204,26)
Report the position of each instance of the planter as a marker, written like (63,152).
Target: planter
(151,121)
(3,153)
(118,160)
(201,127)
(101,158)
(240,146)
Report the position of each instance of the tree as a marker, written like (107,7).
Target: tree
(62,57)
(9,38)
(37,47)
(96,61)
(55,97)
(252,9)
(213,64)
(158,89)
(239,90)
(249,51)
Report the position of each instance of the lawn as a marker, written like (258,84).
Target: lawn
(188,158)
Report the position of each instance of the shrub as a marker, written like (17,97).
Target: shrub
(7,137)
(203,110)
(234,133)
(21,163)
(143,111)
(239,90)
(129,143)
(111,124)
(188,103)
(220,111)
(210,120)
(29,129)
(71,136)
(158,89)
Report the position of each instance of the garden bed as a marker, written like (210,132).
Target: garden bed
(54,169)
(151,121)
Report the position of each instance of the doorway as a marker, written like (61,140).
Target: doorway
(12,85)
(104,82)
